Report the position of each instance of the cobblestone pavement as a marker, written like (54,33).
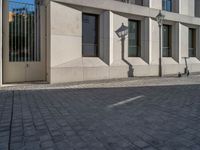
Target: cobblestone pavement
(132,114)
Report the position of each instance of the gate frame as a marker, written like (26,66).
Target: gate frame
(45,41)
(1,41)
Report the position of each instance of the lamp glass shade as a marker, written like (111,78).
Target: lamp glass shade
(160,17)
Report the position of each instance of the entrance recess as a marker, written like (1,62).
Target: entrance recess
(23,55)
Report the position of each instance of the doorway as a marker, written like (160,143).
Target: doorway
(24,57)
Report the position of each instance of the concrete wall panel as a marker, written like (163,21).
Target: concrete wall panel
(104,47)
(60,75)
(118,72)
(154,39)
(117,45)
(95,73)
(157,4)
(64,49)
(184,41)
(145,39)
(66,34)
(187,7)
(65,20)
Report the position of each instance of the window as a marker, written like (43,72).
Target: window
(167,5)
(137,2)
(90,31)
(134,38)
(192,42)
(167,52)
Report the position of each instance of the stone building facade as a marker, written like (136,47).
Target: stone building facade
(78,40)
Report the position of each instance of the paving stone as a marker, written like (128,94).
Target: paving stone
(80,117)
(141,144)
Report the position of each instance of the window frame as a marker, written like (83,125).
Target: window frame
(142,3)
(193,42)
(138,38)
(169,47)
(164,5)
(97,26)
(133,2)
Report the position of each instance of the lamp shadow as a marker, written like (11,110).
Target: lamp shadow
(131,69)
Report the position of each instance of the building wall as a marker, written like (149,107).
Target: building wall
(187,7)
(155,4)
(64,39)
(67,63)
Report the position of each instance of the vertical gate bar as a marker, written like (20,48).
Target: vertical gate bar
(27,34)
(19,51)
(30,33)
(35,28)
(28,28)
(22,37)
(27,31)
(20,55)
(18,31)
(10,33)
(33,35)
(18,36)
(25,40)
(17,39)
(13,26)
(22,34)
(15,36)
(36,32)
(21,24)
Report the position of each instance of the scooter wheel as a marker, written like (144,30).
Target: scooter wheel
(188,73)
(179,75)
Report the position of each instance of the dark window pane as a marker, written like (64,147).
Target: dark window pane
(134,39)
(192,42)
(167,41)
(167,5)
(139,2)
(90,35)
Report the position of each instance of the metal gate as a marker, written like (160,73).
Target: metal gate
(23,31)
(23,58)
